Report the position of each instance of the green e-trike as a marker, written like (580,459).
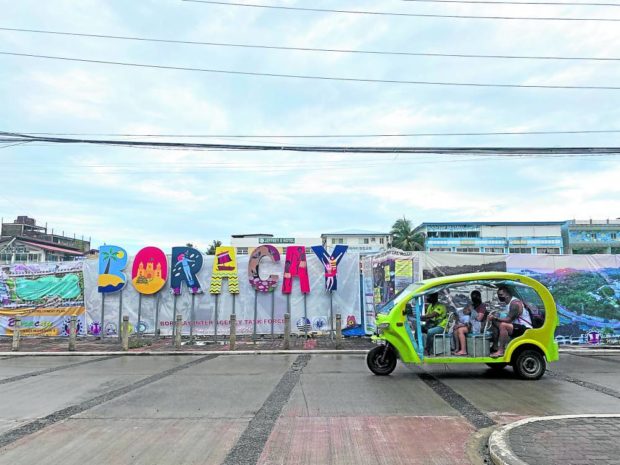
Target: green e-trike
(400,333)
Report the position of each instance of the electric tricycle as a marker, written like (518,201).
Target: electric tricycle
(493,318)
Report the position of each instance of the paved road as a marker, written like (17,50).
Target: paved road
(274,409)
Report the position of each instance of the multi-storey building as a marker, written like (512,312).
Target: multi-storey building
(592,236)
(364,242)
(24,241)
(245,243)
(532,237)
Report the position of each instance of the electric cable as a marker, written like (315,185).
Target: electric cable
(480,151)
(309,49)
(416,15)
(328,136)
(499,2)
(304,76)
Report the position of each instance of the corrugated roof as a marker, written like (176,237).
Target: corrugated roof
(52,248)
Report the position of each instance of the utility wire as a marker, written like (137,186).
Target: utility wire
(308,49)
(481,151)
(303,76)
(325,136)
(417,15)
(494,2)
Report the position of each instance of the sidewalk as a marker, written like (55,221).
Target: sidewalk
(558,440)
(201,344)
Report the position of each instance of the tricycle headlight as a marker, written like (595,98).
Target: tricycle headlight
(382,327)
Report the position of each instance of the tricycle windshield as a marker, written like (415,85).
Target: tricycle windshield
(404,294)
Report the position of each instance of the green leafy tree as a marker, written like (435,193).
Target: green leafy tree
(213,246)
(403,236)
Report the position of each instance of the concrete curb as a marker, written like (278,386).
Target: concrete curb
(499,445)
(194,352)
(258,352)
(590,351)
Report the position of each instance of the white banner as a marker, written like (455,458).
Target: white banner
(269,306)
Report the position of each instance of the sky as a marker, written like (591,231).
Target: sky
(137,197)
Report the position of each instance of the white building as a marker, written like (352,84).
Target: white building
(362,241)
(245,243)
(531,237)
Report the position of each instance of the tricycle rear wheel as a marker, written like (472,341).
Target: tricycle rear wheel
(381,360)
(530,364)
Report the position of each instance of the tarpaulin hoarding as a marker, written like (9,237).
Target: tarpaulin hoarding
(44,295)
(316,301)
(586,288)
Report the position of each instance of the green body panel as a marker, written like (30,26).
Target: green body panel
(543,337)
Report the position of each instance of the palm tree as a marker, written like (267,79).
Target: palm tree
(403,236)
(213,246)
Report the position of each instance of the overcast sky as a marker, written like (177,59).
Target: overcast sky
(134,197)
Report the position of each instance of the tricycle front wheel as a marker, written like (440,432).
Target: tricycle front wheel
(381,360)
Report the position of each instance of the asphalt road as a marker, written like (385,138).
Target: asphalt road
(275,409)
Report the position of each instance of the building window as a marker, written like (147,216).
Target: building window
(5,257)
(366,241)
(520,250)
(33,257)
(494,249)
(242,250)
(614,236)
(373,239)
(380,240)
(440,249)
(340,240)
(553,250)
(333,240)
(473,233)
(468,249)
(445,234)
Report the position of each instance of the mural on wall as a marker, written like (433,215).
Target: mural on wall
(186,263)
(259,284)
(295,265)
(112,262)
(224,267)
(44,295)
(150,270)
(330,263)
(586,290)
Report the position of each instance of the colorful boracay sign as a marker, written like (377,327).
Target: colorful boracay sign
(224,267)
(149,271)
(112,262)
(187,262)
(259,284)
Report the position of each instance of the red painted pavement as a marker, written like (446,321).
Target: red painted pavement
(367,441)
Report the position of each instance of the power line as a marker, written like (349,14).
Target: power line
(480,151)
(494,2)
(330,136)
(302,76)
(417,15)
(308,49)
